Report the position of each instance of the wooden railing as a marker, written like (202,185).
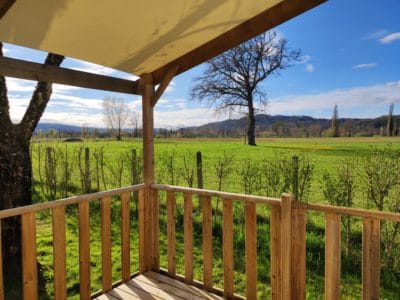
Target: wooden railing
(288,220)
(58,212)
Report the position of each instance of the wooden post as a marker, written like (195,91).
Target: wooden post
(251,250)
(276,255)
(332,256)
(29,264)
(227,245)
(298,253)
(371,269)
(149,202)
(286,239)
(59,250)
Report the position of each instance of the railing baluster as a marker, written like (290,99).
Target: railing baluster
(84,250)
(171,242)
(1,266)
(298,252)
(371,258)
(286,238)
(155,219)
(59,249)
(332,256)
(143,231)
(251,250)
(275,228)
(29,264)
(106,244)
(188,236)
(227,234)
(207,242)
(125,237)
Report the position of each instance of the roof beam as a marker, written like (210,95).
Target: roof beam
(164,84)
(39,72)
(5,5)
(262,22)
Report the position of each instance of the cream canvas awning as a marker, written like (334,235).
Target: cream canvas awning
(142,36)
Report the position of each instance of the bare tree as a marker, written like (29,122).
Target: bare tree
(390,121)
(16,167)
(232,80)
(116,115)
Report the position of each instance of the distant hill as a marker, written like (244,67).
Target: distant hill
(293,126)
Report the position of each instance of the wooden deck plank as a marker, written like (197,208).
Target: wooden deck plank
(154,286)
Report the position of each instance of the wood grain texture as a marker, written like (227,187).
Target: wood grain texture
(29,264)
(1,267)
(298,253)
(251,250)
(59,249)
(84,250)
(171,239)
(371,268)
(207,242)
(106,276)
(276,258)
(188,236)
(286,239)
(227,245)
(332,256)
(155,223)
(125,237)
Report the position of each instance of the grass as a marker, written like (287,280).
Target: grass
(323,153)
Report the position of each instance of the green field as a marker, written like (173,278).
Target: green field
(170,158)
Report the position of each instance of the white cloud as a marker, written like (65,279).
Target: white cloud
(364,101)
(365,66)
(376,34)
(185,117)
(390,38)
(310,68)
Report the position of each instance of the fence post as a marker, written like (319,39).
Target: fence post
(286,239)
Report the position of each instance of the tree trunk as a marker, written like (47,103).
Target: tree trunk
(15,187)
(251,124)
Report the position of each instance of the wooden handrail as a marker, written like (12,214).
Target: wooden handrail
(12,212)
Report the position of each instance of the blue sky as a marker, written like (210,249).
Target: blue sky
(350,57)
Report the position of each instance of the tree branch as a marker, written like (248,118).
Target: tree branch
(4,104)
(39,100)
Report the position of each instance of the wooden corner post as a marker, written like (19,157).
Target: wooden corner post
(148,202)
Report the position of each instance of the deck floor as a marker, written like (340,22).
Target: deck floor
(151,285)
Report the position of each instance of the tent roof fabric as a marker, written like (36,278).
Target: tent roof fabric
(137,36)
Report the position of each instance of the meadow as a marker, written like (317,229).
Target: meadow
(228,165)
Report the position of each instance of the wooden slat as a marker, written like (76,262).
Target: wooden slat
(59,250)
(155,223)
(251,250)
(275,228)
(38,72)
(207,242)
(106,277)
(84,250)
(29,264)
(171,246)
(1,266)
(332,256)
(143,231)
(227,244)
(125,237)
(286,238)
(188,237)
(298,253)
(371,269)
(262,22)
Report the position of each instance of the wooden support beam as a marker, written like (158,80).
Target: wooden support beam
(332,256)
(262,22)
(164,84)
(286,240)
(5,5)
(39,72)
(371,268)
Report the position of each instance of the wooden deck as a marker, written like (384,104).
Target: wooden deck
(151,285)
